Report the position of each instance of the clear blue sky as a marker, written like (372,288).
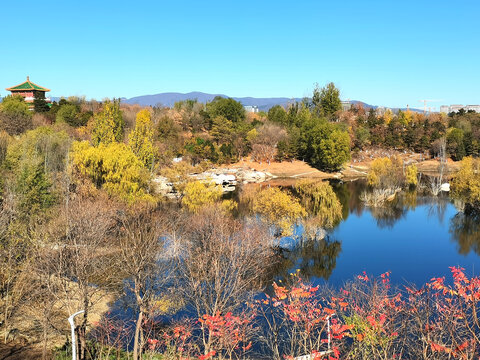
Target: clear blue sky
(384,52)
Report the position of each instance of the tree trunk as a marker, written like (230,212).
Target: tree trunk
(138,328)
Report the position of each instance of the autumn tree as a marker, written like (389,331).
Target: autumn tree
(222,130)
(466,183)
(264,144)
(222,261)
(15,116)
(144,260)
(141,139)
(109,124)
(113,167)
(79,258)
(278,208)
(411,175)
(198,194)
(320,201)
(386,173)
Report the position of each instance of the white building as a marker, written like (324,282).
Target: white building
(475,108)
(456,108)
(251,108)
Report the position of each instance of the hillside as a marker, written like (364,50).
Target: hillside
(169,98)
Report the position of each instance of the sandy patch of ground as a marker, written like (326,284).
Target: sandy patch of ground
(285,169)
(357,167)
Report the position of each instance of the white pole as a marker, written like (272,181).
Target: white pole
(328,331)
(72,325)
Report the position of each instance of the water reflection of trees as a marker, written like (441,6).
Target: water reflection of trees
(387,215)
(465,230)
(391,212)
(349,195)
(313,257)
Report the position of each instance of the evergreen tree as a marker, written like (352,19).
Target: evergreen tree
(39,104)
(330,99)
(324,144)
(34,189)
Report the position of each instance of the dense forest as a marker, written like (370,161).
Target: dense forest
(82,225)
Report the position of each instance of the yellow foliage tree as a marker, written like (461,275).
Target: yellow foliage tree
(113,167)
(388,116)
(320,201)
(108,124)
(378,168)
(411,175)
(140,139)
(197,195)
(466,182)
(278,208)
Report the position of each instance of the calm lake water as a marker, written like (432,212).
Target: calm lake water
(414,237)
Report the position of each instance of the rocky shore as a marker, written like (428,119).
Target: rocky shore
(227,178)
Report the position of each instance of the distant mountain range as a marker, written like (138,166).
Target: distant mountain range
(168,99)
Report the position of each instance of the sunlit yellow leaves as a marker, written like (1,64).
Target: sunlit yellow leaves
(113,167)
(378,168)
(198,194)
(320,201)
(140,139)
(411,173)
(109,124)
(279,208)
(466,182)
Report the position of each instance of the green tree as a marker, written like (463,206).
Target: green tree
(39,104)
(277,114)
(329,99)
(34,188)
(222,130)
(455,144)
(67,114)
(140,139)
(109,124)
(226,107)
(324,145)
(15,116)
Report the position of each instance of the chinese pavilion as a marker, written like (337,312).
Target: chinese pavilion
(29,91)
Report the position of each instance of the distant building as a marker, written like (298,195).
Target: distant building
(456,108)
(251,108)
(445,109)
(29,91)
(346,105)
(475,108)
(381,110)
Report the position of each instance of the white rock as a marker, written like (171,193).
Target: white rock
(445,187)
